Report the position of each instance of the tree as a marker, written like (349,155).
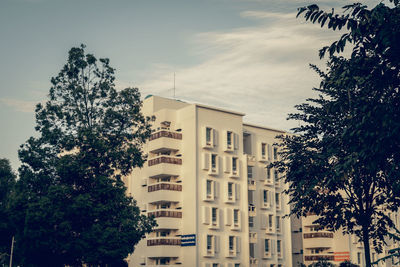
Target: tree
(71,200)
(7,182)
(322,263)
(343,161)
(348,264)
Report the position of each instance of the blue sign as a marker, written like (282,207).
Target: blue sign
(188,240)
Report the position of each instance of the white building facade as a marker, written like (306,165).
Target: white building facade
(207,184)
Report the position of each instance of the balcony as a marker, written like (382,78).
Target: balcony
(253,261)
(252,210)
(251,184)
(318,240)
(251,160)
(252,237)
(164,186)
(319,257)
(165,213)
(164,241)
(163,141)
(163,191)
(164,246)
(168,223)
(318,234)
(164,166)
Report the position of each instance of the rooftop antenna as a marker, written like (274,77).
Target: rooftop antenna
(174,84)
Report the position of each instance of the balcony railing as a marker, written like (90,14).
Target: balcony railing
(319,257)
(164,159)
(167,134)
(164,242)
(164,186)
(165,213)
(318,235)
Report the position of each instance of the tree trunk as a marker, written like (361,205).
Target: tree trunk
(367,249)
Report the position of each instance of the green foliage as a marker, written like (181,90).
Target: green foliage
(322,263)
(7,183)
(348,264)
(375,28)
(394,253)
(71,202)
(343,161)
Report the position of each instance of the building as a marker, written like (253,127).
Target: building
(207,184)
(315,243)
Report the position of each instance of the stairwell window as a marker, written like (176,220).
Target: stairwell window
(251,221)
(249,172)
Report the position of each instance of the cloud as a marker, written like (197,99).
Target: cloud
(260,70)
(19,105)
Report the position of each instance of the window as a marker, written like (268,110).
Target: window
(213,161)
(234,164)
(208,135)
(229,138)
(230,190)
(209,242)
(278,223)
(164,261)
(269,174)
(263,150)
(275,153)
(278,200)
(250,197)
(359,257)
(278,246)
(265,196)
(276,176)
(270,221)
(209,188)
(251,221)
(214,213)
(236,216)
(165,206)
(252,249)
(266,246)
(215,265)
(231,243)
(249,172)
(237,264)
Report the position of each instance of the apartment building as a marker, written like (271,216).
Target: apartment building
(311,243)
(207,184)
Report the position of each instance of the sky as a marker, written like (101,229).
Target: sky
(250,56)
